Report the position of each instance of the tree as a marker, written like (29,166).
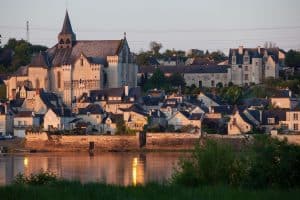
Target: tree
(176,79)
(155,47)
(292,58)
(158,79)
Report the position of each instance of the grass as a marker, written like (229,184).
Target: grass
(75,190)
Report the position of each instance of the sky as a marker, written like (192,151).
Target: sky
(179,24)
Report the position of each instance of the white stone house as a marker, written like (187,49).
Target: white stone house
(93,114)
(23,121)
(57,119)
(181,119)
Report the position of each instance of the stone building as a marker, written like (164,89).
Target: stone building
(253,65)
(73,67)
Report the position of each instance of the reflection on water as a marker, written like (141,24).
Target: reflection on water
(111,168)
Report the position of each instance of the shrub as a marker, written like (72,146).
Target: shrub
(41,178)
(266,162)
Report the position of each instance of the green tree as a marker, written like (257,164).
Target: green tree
(177,80)
(158,79)
(292,58)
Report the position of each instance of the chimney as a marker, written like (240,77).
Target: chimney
(241,48)
(126,90)
(5,108)
(260,116)
(158,113)
(258,49)
(290,93)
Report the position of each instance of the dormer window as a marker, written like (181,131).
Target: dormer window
(271,120)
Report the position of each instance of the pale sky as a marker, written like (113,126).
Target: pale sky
(179,24)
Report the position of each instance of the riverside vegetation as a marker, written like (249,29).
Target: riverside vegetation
(267,168)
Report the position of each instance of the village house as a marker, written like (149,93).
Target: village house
(135,117)
(25,120)
(238,123)
(283,99)
(292,121)
(112,100)
(6,120)
(73,67)
(58,119)
(93,114)
(183,119)
(109,123)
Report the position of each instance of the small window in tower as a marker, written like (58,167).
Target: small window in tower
(81,62)
(68,41)
(61,41)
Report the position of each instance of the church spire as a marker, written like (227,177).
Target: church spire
(66,37)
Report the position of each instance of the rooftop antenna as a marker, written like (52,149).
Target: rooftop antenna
(27,31)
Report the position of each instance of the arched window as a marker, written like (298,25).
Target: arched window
(58,80)
(37,83)
(68,41)
(61,41)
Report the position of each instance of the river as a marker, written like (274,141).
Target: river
(111,168)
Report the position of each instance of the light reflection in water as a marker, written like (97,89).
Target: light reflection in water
(111,168)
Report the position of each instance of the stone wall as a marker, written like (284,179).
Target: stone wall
(154,141)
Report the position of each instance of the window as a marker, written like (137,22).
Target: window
(200,83)
(61,41)
(81,62)
(58,80)
(68,41)
(271,121)
(212,83)
(296,128)
(246,59)
(295,116)
(246,77)
(246,68)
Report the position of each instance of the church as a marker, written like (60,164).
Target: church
(73,68)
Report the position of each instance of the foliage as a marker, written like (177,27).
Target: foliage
(74,190)
(292,58)
(231,94)
(155,47)
(266,162)
(2,91)
(41,178)
(22,52)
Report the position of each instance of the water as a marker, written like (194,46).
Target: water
(111,168)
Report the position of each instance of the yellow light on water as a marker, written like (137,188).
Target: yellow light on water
(25,161)
(134,171)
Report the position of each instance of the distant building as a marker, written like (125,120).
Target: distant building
(253,65)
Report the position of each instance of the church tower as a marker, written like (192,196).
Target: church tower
(66,37)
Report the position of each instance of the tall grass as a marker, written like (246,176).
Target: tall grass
(65,190)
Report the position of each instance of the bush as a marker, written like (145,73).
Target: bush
(41,178)
(266,162)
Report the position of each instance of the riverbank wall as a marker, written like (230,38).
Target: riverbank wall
(42,141)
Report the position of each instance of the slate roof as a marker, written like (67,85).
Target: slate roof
(95,50)
(223,109)
(253,53)
(40,60)
(52,102)
(21,71)
(283,94)
(105,93)
(24,114)
(67,28)
(188,69)
(135,108)
(92,109)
